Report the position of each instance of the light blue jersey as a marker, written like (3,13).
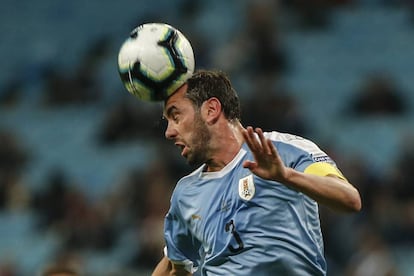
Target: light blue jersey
(232,222)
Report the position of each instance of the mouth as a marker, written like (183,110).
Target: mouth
(183,148)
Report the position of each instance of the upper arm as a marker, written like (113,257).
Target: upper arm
(324,169)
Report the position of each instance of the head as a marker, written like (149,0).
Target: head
(193,110)
(204,85)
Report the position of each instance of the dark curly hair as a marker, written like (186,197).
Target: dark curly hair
(205,84)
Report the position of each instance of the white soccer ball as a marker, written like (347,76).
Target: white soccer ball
(155,61)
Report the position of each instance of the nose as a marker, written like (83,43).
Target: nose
(170,131)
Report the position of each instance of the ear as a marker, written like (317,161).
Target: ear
(211,110)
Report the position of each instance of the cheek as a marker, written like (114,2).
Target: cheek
(184,129)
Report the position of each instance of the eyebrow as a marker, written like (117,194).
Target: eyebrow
(170,110)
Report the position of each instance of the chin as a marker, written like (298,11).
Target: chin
(194,162)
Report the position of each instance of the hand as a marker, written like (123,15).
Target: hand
(267,163)
(331,191)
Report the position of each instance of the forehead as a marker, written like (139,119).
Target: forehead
(177,99)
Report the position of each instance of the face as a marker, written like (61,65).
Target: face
(187,128)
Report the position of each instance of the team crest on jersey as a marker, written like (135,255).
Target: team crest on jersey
(246,187)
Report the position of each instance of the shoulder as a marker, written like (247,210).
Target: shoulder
(186,183)
(298,152)
(189,178)
(291,140)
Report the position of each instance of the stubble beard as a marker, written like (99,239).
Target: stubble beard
(200,142)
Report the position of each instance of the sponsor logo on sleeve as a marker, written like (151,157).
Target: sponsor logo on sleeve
(322,158)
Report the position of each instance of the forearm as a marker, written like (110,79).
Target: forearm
(330,191)
(163,268)
(166,268)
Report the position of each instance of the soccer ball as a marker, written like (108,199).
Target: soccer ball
(155,61)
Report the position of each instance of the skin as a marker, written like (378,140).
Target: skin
(62,274)
(222,139)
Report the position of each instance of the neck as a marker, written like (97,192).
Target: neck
(226,145)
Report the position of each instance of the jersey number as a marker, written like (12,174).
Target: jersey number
(232,228)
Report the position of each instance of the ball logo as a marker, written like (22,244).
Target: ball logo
(246,187)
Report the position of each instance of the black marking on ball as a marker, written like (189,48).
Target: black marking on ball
(169,43)
(134,34)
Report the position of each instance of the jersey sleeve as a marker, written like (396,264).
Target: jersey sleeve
(305,156)
(181,247)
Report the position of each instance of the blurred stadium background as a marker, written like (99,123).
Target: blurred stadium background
(85,174)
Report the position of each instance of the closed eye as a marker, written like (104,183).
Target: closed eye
(171,113)
(175,117)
